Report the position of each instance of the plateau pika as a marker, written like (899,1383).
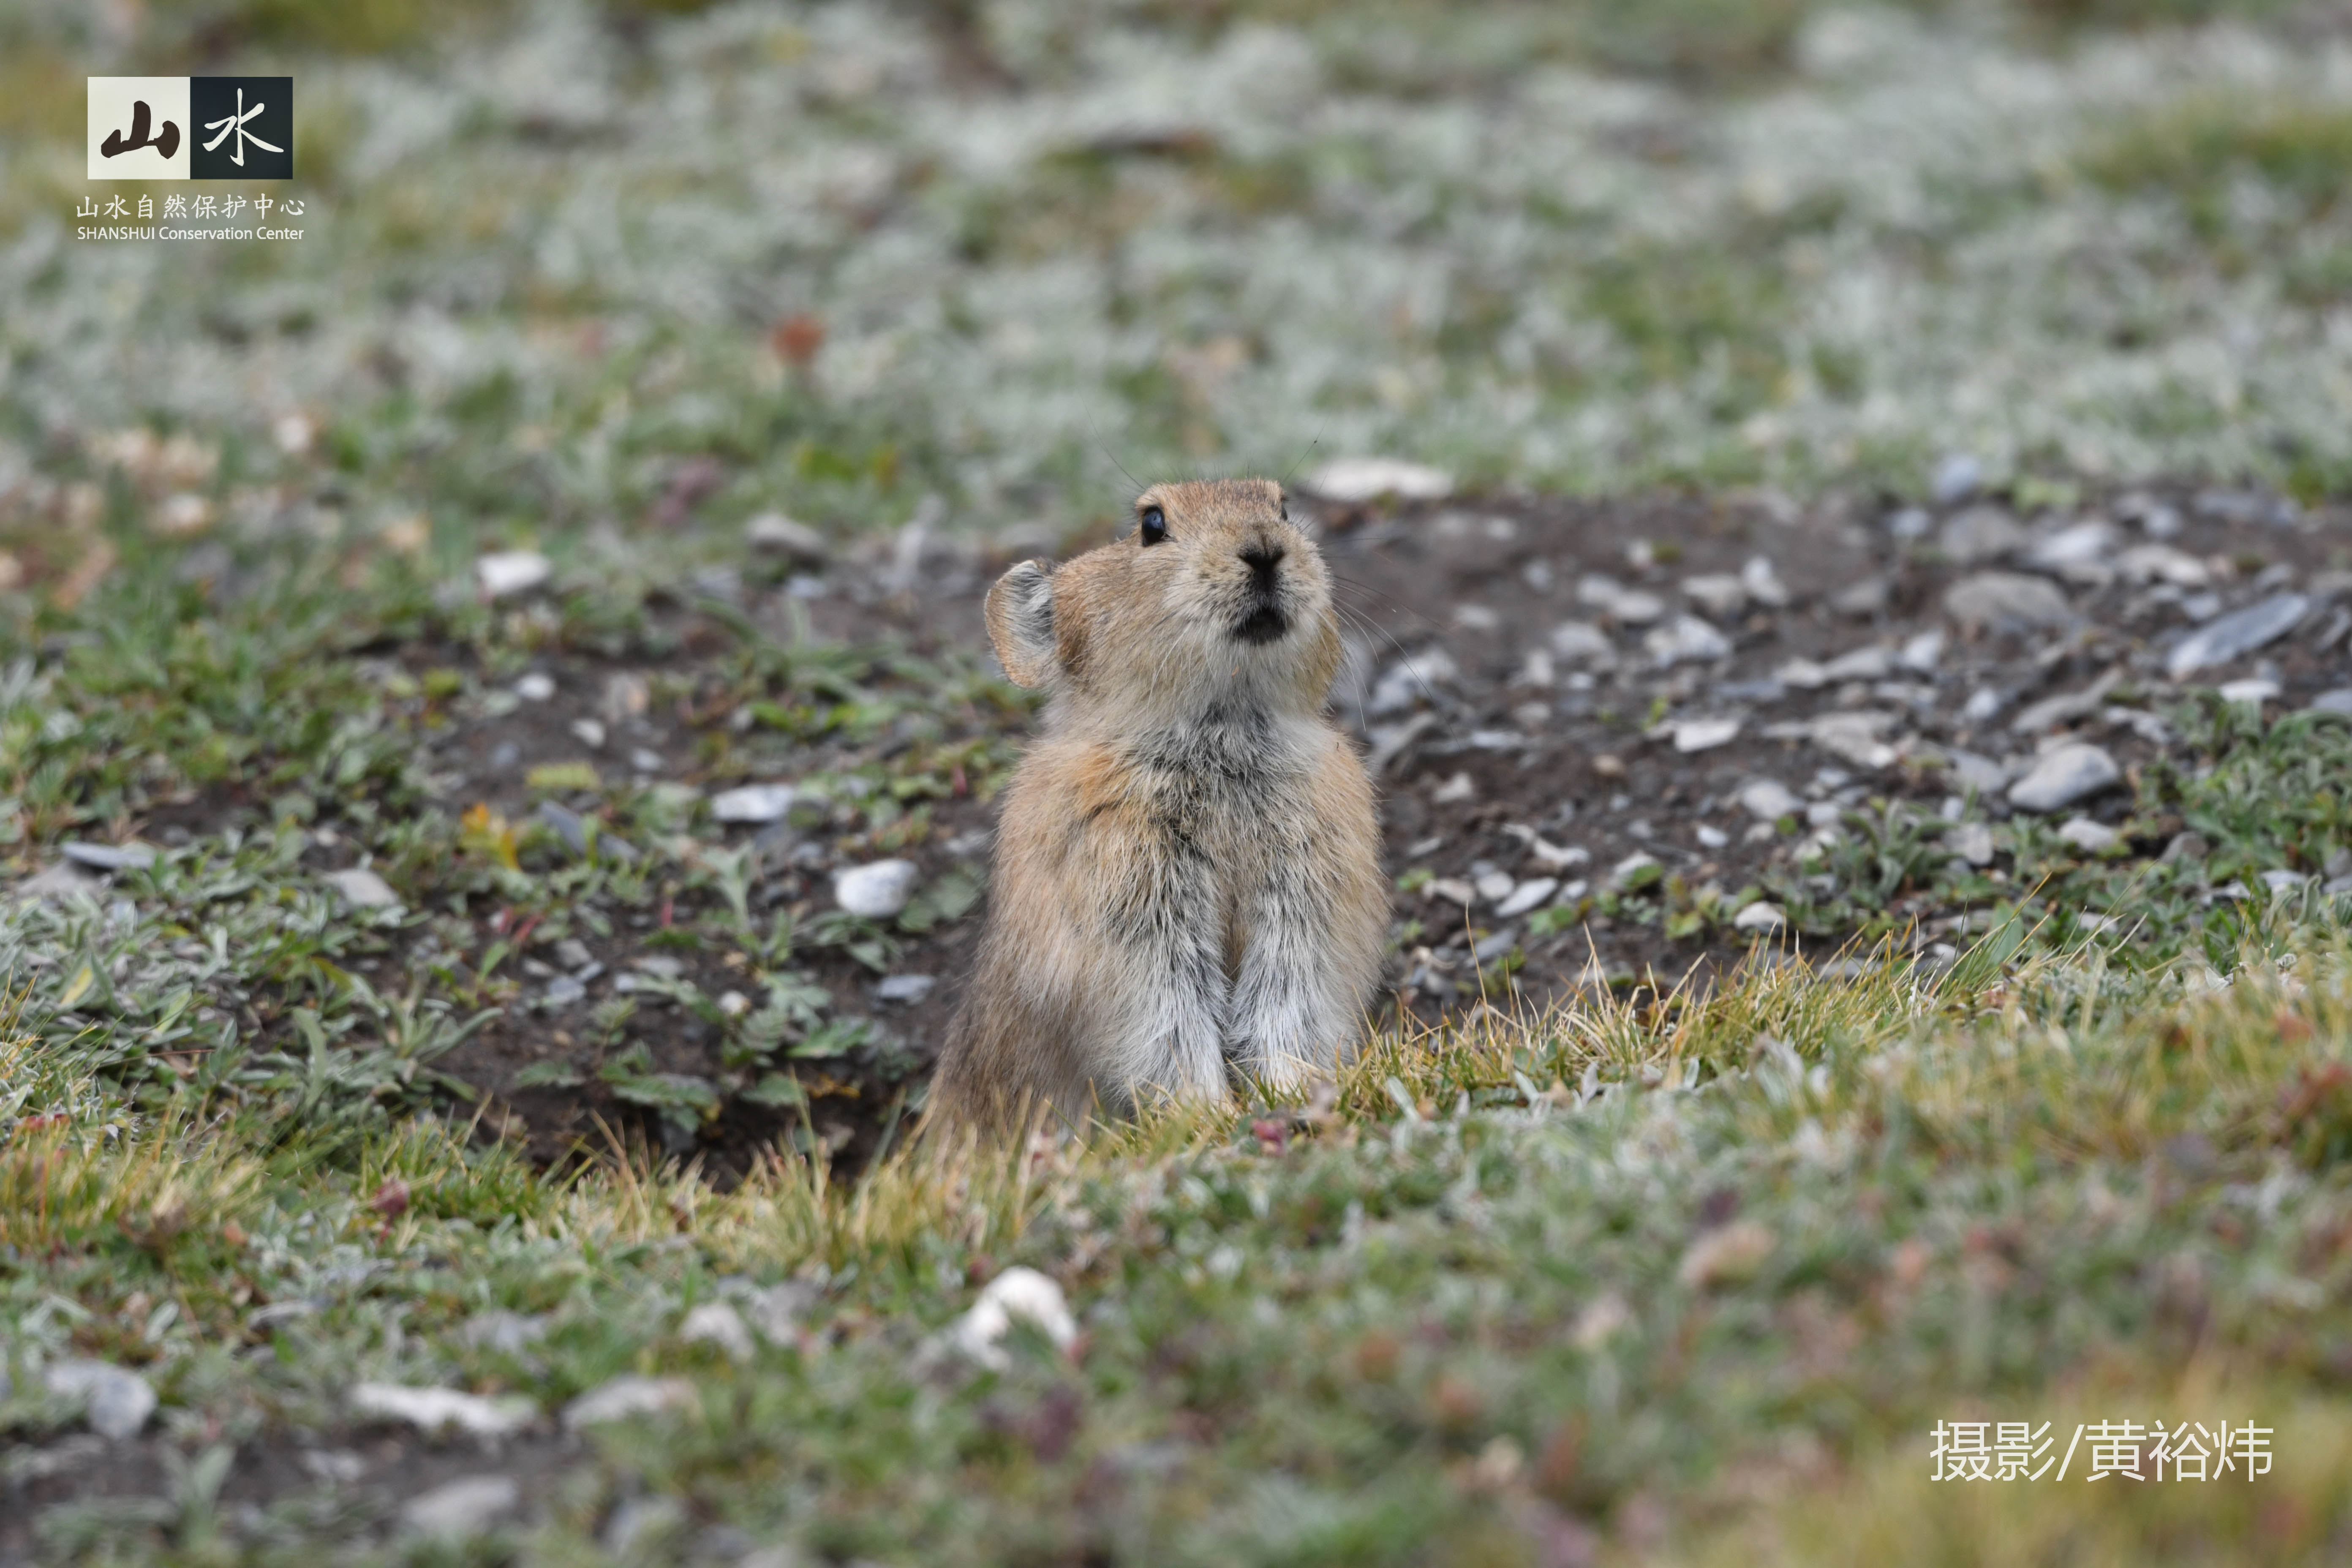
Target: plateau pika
(1187,886)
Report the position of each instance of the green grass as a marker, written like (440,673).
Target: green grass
(1401,1329)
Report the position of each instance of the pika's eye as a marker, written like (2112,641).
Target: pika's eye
(1152,525)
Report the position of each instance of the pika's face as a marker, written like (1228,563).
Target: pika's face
(1214,589)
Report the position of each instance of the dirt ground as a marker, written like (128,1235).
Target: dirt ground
(1541,715)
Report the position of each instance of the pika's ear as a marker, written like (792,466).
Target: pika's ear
(1021,623)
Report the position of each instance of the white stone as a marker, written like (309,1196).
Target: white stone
(1494,885)
(590,732)
(876,892)
(1763,583)
(1802,675)
(908,989)
(1633,606)
(1527,896)
(1353,481)
(1710,836)
(1769,800)
(2007,601)
(2062,776)
(2254,689)
(1018,1292)
(1622,874)
(1923,652)
(1581,642)
(503,574)
(1718,594)
(536,686)
(116,1401)
(1705,734)
(2088,835)
(716,1323)
(1759,916)
(440,1409)
(1871,663)
(1685,638)
(1972,842)
(364,889)
(624,1396)
(753,803)
(460,1507)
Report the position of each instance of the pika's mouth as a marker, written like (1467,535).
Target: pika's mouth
(1264,623)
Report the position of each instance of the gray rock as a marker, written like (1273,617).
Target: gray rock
(1910,524)
(2067,707)
(1973,770)
(504,574)
(2062,776)
(1527,896)
(2189,845)
(115,1402)
(573,955)
(109,856)
(1759,916)
(566,991)
(536,686)
(362,889)
(753,803)
(2283,881)
(1980,534)
(624,1396)
(1862,599)
(1493,886)
(906,988)
(572,828)
(877,892)
(774,534)
(2238,633)
(1972,842)
(2006,602)
(1957,476)
(1685,638)
(460,1507)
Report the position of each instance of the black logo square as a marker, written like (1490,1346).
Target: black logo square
(242,128)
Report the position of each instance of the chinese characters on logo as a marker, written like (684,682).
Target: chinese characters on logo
(190,127)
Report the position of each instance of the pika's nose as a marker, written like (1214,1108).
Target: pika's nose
(1262,556)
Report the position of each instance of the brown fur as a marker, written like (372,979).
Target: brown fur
(1187,884)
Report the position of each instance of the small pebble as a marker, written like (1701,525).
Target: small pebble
(878,891)
(461,1508)
(2062,776)
(507,573)
(535,686)
(908,989)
